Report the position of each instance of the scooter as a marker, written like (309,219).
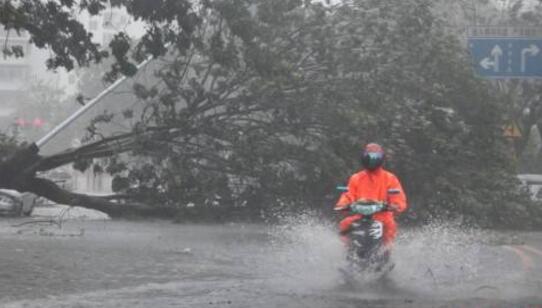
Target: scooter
(364,238)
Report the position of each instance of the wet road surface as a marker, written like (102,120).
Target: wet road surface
(161,264)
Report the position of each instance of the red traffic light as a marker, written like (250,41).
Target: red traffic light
(36,123)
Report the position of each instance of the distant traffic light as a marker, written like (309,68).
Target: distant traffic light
(36,123)
(20,122)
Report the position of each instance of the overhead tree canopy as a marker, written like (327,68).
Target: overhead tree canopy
(54,25)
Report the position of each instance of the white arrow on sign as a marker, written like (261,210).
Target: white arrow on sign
(487,63)
(532,50)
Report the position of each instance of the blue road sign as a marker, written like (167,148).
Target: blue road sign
(509,57)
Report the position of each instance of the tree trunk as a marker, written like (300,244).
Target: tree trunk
(19,173)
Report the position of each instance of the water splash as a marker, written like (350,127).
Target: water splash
(439,259)
(305,252)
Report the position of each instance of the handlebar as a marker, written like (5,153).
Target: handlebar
(365,207)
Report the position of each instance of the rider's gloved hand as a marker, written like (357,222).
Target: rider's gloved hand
(392,207)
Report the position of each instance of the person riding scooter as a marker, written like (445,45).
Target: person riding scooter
(374,184)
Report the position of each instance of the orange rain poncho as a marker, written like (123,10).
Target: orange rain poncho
(375,185)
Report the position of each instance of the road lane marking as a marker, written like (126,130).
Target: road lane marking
(532,249)
(526,260)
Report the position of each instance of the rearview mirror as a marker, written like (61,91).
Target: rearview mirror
(342,188)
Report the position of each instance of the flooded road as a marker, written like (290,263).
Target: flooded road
(161,264)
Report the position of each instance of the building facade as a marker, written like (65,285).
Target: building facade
(19,76)
(13,73)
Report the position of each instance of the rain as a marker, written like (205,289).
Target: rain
(271,153)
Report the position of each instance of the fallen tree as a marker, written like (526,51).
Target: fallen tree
(278,97)
(55,26)
(21,172)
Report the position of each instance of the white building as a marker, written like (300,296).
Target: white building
(109,22)
(13,73)
(17,74)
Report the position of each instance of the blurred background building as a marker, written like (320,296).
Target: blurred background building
(33,99)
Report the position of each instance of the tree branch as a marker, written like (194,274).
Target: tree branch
(50,190)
